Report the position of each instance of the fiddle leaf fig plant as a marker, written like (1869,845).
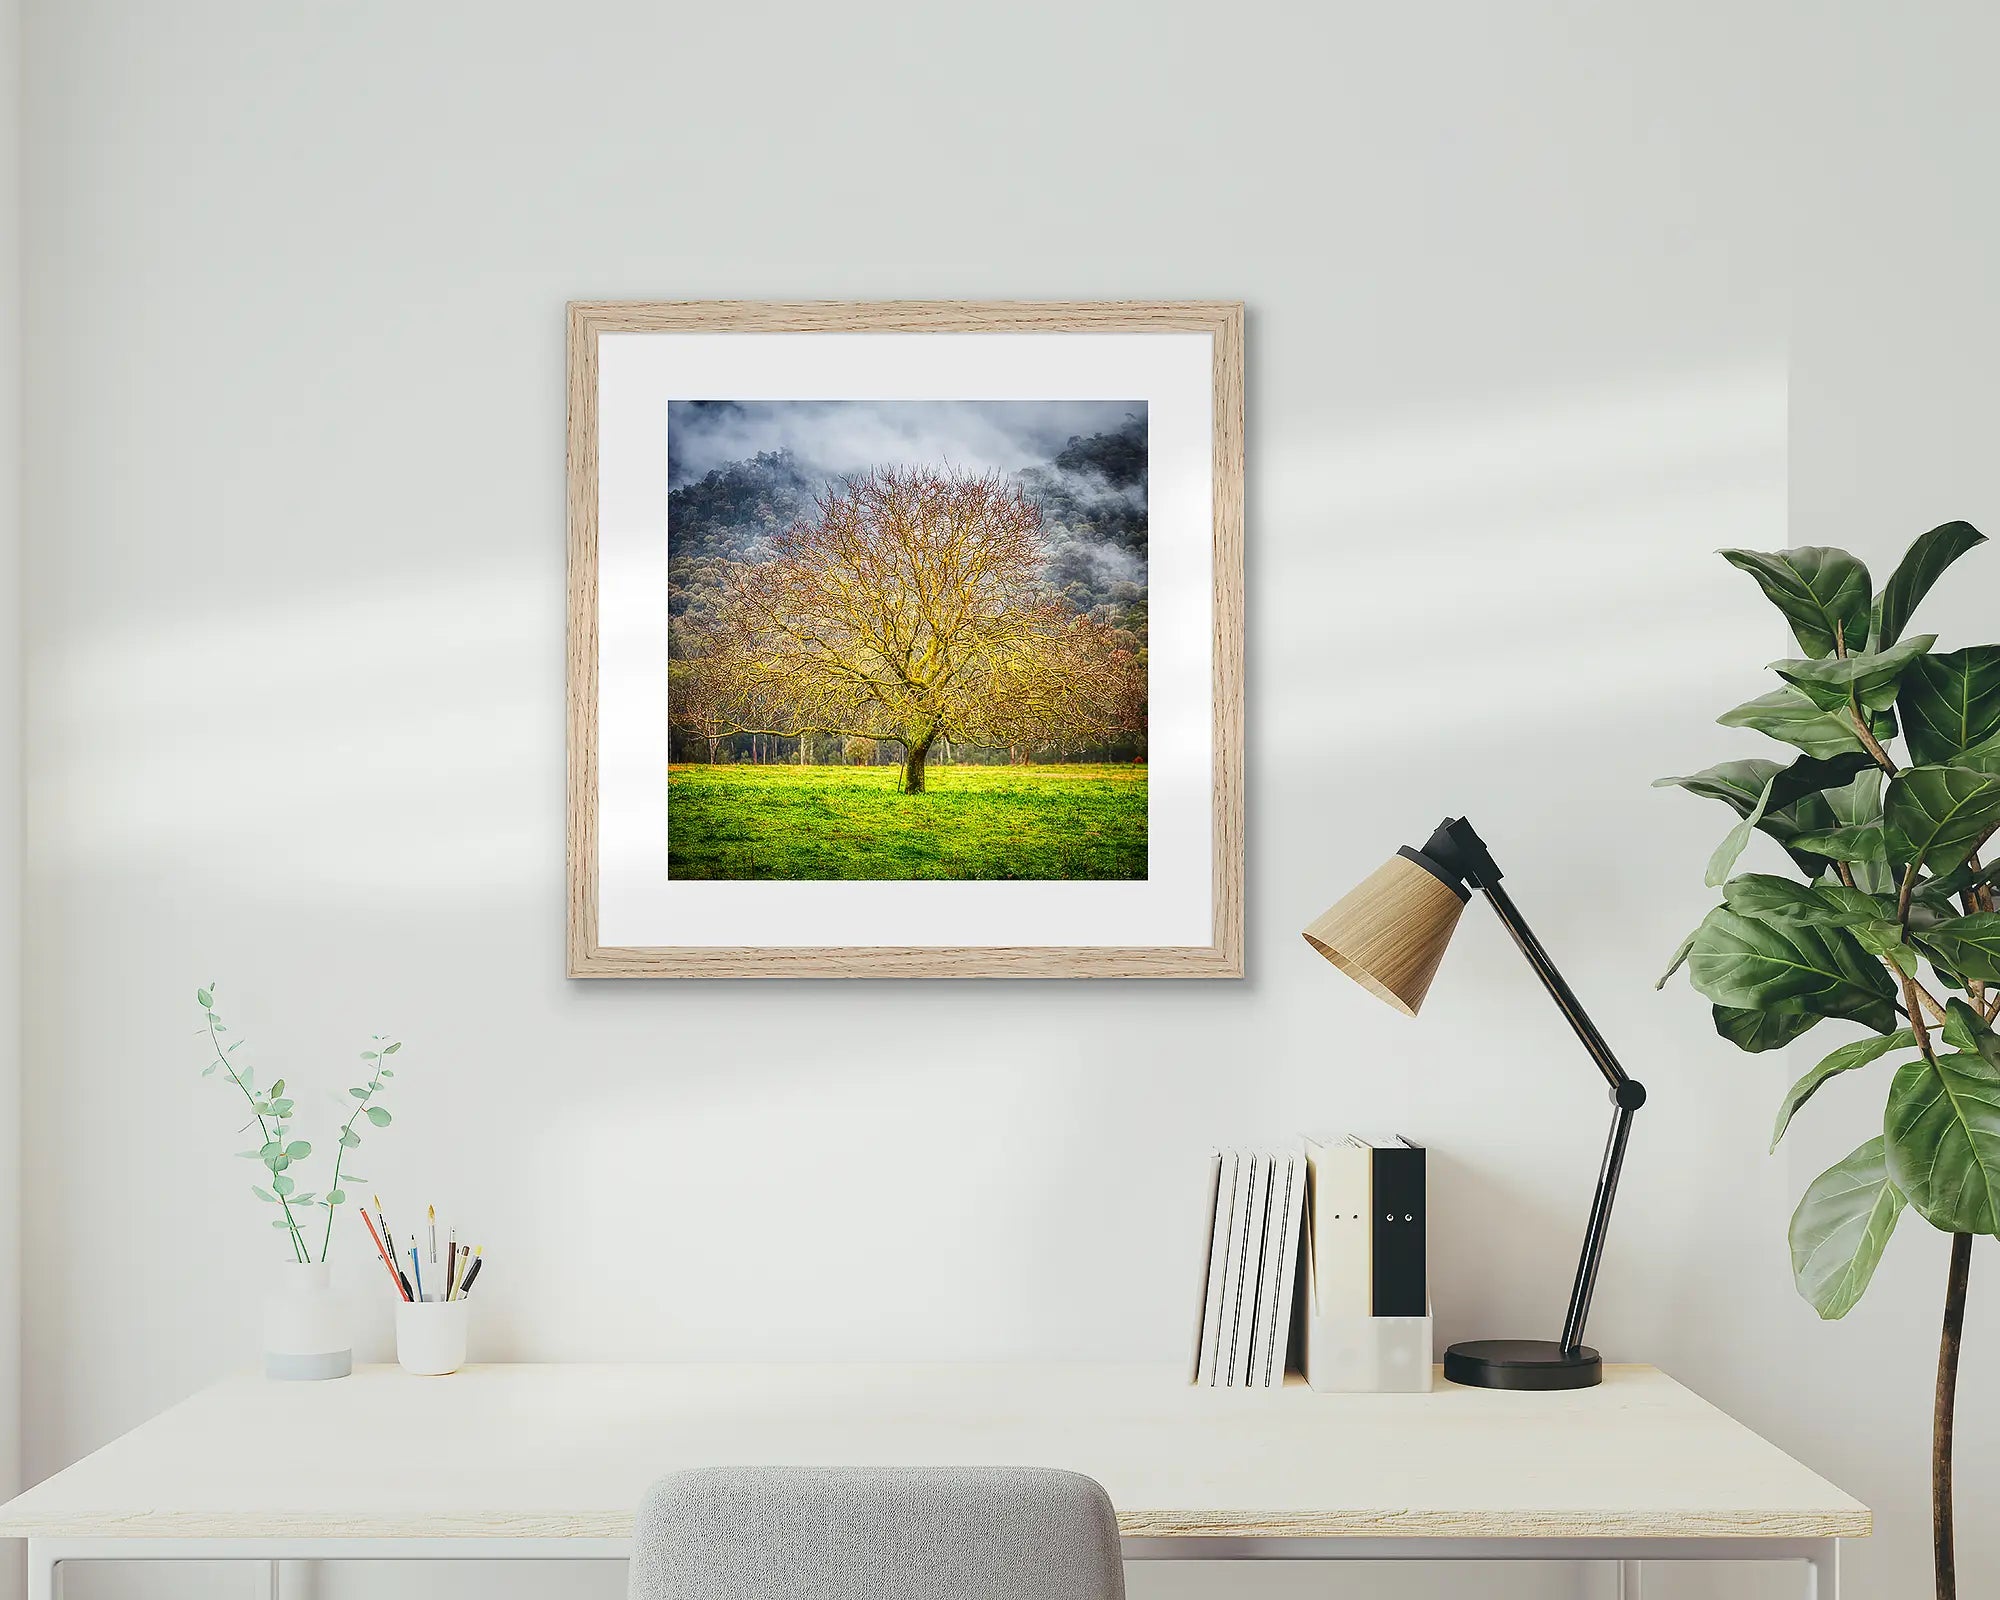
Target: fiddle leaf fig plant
(1890,923)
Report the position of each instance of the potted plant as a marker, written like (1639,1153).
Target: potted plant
(304,1333)
(1889,923)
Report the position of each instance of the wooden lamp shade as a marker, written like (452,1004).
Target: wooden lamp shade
(1390,931)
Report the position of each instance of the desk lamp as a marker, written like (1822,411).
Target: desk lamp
(1388,935)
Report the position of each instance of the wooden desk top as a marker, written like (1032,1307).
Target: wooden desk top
(565,1452)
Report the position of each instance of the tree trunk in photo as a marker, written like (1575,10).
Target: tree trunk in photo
(1943,1561)
(914,754)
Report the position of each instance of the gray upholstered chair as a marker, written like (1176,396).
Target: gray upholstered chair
(868,1533)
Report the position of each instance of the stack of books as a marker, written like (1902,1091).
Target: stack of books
(1353,1207)
(1368,1231)
(1256,1219)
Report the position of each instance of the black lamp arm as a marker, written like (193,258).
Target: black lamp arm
(1465,853)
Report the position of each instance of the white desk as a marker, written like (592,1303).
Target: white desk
(542,1463)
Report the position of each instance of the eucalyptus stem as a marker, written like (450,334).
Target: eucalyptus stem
(340,1157)
(299,1246)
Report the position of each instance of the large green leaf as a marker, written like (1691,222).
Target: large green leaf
(1733,842)
(1756,963)
(1942,1124)
(1870,677)
(1820,590)
(1982,757)
(1796,802)
(1772,1028)
(1929,554)
(1934,816)
(1969,946)
(1680,955)
(1788,715)
(1966,1029)
(1760,894)
(1845,844)
(1951,702)
(1845,1059)
(1840,1229)
(1871,919)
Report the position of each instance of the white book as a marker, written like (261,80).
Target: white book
(1232,1270)
(1215,1235)
(1288,1204)
(1244,1343)
(1340,1177)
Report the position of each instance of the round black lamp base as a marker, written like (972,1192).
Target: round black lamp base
(1522,1364)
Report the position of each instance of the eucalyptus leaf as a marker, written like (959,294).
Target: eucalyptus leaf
(1942,1124)
(391,1049)
(1824,593)
(1849,1056)
(263,1194)
(298,1149)
(378,1116)
(1755,963)
(281,1108)
(1951,702)
(283,1184)
(1787,714)
(1935,816)
(1840,1229)
(1768,1028)
(1733,843)
(336,1197)
(349,1138)
(1969,946)
(1870,677)
(1929,554)
(204,999)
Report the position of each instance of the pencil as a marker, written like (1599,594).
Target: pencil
(416,1266)
(451,1264)
(395,1277)
(434,1235)
(478,1261)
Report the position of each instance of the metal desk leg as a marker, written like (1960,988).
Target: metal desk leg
(1628,1580)
(1823,1571)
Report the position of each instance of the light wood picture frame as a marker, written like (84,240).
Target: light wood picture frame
(618,456)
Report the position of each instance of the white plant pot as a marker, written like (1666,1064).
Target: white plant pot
(430,1336)
(305,1334)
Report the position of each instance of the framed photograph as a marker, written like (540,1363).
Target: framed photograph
(905,639)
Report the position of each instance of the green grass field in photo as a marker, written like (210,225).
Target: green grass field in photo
(793,823)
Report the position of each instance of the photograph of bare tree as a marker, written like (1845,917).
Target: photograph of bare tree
(907,639)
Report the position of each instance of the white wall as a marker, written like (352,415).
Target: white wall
(294,283)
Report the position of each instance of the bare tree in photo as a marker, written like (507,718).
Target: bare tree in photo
(910,606)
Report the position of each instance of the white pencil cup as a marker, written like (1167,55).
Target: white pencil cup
(430,1336)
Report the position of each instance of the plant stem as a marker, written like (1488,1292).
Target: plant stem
(299,1246)
(340,1157)
(1872,744)
(1943,1561)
